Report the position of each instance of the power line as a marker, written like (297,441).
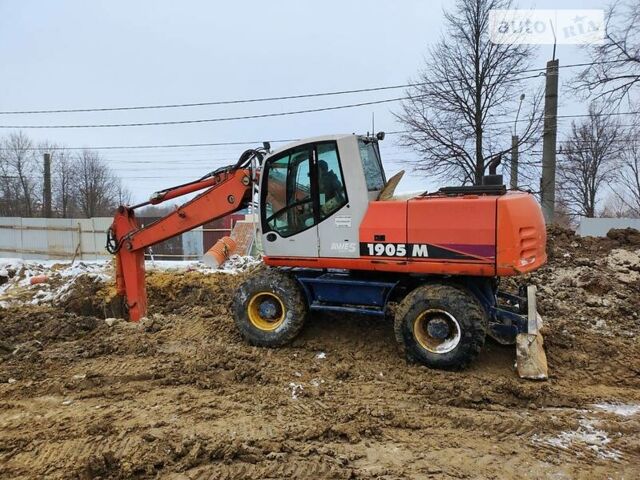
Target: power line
(254,142)
(220,102)
(210,120)
(177,145)
(222,119)
(257,116)
(611,114)
(250,117)
(505,122)
(263,115)
(270,99)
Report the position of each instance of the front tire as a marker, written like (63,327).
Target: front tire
(269,308)
(441,326)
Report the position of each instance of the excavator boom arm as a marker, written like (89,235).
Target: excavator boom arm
(227,192)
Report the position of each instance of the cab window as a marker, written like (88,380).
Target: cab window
(331,190)
(371,165)
(288,204)
(300,192)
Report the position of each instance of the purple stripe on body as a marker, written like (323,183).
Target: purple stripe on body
(486,251)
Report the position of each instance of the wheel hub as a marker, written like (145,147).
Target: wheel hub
(437,331)
(438,328)
(268,309)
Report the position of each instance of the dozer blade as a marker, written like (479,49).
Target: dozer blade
(531,359)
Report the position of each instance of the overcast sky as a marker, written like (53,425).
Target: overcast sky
(74,54)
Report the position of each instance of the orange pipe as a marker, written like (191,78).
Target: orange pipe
(38,279)
(220,252)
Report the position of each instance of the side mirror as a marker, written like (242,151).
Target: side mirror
(267,146)
(380,136)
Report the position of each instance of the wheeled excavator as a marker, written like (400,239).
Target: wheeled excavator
(336,239)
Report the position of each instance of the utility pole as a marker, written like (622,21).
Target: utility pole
(513,178)
(548,180)
(46,207)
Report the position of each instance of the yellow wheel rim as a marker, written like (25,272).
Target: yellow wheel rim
(429,339)
(266,311)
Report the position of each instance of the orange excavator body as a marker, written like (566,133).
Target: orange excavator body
(461,234)
(479,235)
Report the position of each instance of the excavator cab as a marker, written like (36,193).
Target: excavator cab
(314,194)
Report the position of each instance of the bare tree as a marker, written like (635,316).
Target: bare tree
(616,206)
(8,184)
(122,195)
(615,72)
(21,176)
(82,184)
(467,83)
(64,183)
(590,161)
(629,178)
(97,186)
(63,176)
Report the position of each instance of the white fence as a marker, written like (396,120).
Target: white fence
(62,238)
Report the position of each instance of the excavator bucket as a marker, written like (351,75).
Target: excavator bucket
(531,360)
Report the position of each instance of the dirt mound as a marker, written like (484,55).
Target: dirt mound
(625,236)
(589,297)
(45,324)
(171,293)
(561,240)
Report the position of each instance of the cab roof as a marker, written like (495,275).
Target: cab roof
(322,138)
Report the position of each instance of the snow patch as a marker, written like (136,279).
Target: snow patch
(296,390)
(586,436)
(61,277)
(235,264)
(316,382)
(624,410)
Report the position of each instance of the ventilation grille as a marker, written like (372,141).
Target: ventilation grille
(528,245)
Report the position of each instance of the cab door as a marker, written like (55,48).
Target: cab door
(288,199)
(337,228)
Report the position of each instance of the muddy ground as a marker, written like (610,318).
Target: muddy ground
(181,396)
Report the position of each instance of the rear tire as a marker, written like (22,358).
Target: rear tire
(269,308)
(441,326)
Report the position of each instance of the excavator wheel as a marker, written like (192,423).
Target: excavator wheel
(269,308)
(441,326)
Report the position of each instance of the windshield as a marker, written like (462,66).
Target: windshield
(371,165)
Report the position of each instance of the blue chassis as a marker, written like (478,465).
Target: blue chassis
(368,293)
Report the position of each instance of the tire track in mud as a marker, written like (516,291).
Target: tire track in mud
(61,457)
(302,468)
(428,421)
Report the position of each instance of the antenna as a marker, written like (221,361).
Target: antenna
(373,123)
(515,122)
(555,39)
